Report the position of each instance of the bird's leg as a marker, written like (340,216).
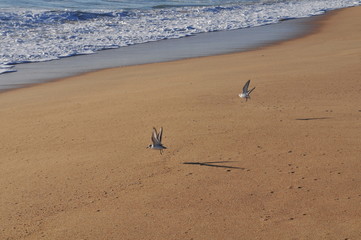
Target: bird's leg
(161,152)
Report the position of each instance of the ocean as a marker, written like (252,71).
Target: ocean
(41,30)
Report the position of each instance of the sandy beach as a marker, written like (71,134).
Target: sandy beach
(284,165)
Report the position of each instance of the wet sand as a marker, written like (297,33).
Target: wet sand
(283,165)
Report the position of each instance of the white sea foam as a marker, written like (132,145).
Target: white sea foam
(43,35)
(6,68)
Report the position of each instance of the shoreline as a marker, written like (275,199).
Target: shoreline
(199,45)
(283,165)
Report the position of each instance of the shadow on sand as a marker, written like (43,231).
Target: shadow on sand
(214,164)
(306,119)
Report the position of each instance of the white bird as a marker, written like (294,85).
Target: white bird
(157,140)
(246,93)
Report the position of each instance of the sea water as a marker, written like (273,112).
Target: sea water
(42,30)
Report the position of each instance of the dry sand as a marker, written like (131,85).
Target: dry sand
(284,165)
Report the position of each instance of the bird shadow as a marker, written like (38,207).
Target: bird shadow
(306,119)
(214,164)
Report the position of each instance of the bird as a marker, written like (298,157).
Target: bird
(157,140)
(246,93)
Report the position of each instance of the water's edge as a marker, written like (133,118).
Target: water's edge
(204,44)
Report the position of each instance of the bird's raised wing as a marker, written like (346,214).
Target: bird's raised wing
(251,90)
(160,135)
(155,137)
(245,87)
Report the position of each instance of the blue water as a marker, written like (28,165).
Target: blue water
(42,30)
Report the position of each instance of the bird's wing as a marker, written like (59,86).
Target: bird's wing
(251,90)
(245,87)
(155,137)
(160,134)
